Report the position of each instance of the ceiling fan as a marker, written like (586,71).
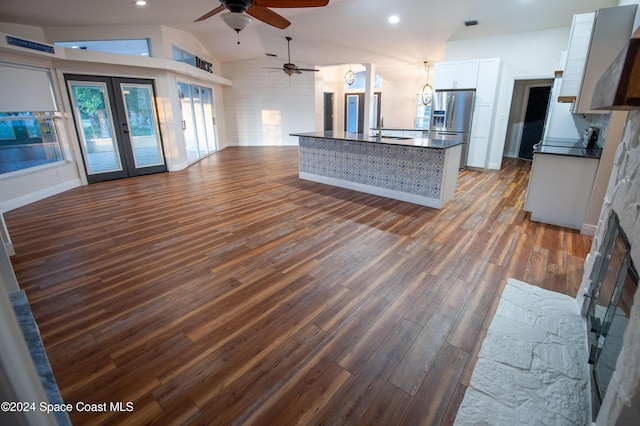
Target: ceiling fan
(289,68)
(238,13)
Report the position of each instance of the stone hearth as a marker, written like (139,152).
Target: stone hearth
(532,367)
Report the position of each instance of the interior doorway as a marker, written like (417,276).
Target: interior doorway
(537,103)
(354,111)
(117,126)
(534,119)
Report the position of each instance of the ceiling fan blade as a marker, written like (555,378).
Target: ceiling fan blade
(268,17)
(273,68)
(290,3)
(210,14)
(307,69)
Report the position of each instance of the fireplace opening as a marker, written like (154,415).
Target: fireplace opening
(614,283)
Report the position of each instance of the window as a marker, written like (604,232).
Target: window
(180,55)
(423,114)
(28,118)
(28,140)
(134,47)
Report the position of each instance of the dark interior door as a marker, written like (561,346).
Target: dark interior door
(534,120)
(328,111)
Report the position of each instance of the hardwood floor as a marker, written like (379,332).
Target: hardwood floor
(234,293)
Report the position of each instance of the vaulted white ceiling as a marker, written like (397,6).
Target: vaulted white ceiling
(344,32)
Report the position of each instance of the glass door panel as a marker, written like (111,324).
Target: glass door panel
(188,126)
(207,104)
(143,125)
(94,118)
(198,113)
(197,120)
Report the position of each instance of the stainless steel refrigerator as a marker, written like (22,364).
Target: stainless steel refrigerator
(451,113)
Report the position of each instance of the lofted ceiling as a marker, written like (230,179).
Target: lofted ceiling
(343,32)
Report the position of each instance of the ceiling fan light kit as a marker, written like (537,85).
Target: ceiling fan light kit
(237,17)
(236,21)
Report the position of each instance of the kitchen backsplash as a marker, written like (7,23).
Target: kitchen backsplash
(601,121)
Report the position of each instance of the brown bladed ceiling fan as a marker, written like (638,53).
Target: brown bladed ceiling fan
(238,13)
(289,68)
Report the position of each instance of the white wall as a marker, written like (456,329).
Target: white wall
(399,102)
(398,106)
(22,188)
(264,106)
(526,55)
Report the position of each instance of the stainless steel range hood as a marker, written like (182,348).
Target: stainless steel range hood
(619,86)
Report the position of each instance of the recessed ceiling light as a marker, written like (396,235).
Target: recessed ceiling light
(394,19)
(141,3)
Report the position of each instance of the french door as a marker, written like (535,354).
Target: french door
(117,126)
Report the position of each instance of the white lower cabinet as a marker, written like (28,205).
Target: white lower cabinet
(560,188)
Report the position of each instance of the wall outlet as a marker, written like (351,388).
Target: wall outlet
(58,174)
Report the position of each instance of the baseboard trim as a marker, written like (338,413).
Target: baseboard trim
(39,195)
(589,230)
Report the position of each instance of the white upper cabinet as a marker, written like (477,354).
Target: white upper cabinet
(456,75)
(579,40)
(595,41)
(488,77)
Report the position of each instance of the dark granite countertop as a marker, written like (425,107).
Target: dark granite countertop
(390,140)
(567,147)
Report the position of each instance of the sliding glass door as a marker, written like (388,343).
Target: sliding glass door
(117,126)
(198,122)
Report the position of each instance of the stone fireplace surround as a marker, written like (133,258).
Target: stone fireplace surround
(486,403)
(621,405)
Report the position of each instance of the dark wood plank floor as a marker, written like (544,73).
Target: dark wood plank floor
(233,292)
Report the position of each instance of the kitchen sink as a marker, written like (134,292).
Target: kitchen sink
(379,138)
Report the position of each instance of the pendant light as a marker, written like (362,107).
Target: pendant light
(426,94)
(349,76)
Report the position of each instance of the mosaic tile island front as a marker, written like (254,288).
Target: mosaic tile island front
(417,170)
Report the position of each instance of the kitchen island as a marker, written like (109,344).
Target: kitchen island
(417,170)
